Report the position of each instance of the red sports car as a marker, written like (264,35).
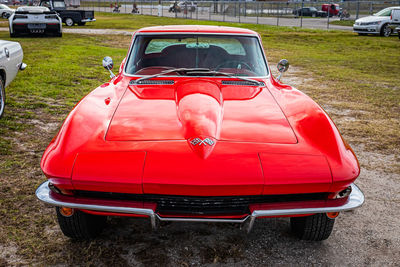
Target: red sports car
(195,128)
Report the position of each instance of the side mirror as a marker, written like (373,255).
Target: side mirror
(22,66)
(282,66)
(108,64)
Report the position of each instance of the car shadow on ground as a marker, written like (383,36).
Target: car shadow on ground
(130,241)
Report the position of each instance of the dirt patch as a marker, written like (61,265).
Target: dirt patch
(9,257)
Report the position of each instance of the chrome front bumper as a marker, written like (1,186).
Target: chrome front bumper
(355,200)
(373,29)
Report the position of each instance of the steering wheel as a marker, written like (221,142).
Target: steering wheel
(239,63)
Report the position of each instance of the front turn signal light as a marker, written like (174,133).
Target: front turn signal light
(332,215)
(66,212)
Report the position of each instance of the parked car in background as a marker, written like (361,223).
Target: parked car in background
(5,11)
(398,31)
(69,17)
(187,5)
(331,9)
(378,23)
(309,11)
(177,7)
(35,20)
(194,127)
(11,56)
(394,19)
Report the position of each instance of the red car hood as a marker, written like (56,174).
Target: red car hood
(197,110)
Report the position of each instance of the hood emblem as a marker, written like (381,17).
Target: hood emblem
(205,142)
(202,145)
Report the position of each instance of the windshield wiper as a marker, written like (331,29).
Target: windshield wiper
(197,71)
(184,70)
(224,74)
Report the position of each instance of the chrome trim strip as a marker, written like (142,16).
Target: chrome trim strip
(136,34)
(355,200)
(195,32)
(43,193)
(183,219)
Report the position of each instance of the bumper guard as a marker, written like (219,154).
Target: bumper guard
(354,200)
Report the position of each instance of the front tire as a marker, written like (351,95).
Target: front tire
(2,97)
(316,227)
(386,31)
(81,225)
(4,15)
(69,22)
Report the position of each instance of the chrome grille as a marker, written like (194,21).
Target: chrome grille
(207,205)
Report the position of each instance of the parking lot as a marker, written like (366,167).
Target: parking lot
(354,78)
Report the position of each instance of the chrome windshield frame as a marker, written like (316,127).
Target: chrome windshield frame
(135,35)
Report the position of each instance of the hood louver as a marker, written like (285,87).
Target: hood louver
(151,82)
(243,83)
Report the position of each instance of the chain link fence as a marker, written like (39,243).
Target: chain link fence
(283,13)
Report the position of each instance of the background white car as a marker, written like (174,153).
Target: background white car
(5,11)
(10,63)
(375,24)
(395,19)
(35,20)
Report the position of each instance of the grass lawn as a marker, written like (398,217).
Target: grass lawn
(355,77)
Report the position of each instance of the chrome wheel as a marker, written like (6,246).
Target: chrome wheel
(69,22)
(386,31)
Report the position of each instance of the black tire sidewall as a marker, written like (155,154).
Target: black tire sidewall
(383,30)
(81,225)
(316,227)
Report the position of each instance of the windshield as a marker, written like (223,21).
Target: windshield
(236,55)
(384,12)
(58,4)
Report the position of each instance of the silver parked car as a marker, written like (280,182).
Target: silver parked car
(10,63)
(5,11)
(35,20)
(375,24)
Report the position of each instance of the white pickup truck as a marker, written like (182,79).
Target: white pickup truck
(10,63)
